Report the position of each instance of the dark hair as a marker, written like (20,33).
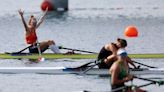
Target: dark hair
(32,16)
(122,41)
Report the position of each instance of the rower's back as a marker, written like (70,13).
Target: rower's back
(103,54)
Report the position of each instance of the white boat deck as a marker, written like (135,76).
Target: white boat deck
(64,70)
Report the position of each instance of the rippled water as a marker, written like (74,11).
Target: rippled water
(88,25)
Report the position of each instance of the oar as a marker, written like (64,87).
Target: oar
(85,65)
(23,49)
(19,51)
(144,65)
(145,85)
(88,69)
(153,81)
(60,47)
(91,67)
(124,87)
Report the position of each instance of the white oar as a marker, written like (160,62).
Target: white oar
(39,52)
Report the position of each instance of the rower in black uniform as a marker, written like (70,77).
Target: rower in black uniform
(108,54)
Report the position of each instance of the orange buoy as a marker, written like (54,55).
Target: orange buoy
(46,4)
(131,31)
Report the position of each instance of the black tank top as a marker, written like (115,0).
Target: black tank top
(103,54)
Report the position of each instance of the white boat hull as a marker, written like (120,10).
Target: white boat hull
(63,70)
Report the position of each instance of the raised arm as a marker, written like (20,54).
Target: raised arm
(23,20)
(42,18)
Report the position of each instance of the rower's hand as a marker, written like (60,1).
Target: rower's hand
(138,67)
(60,47)
(21,12)
(128,78)
(106,60)
(97,62)
(46,9)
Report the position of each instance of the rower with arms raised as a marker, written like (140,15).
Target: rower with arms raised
(31,37)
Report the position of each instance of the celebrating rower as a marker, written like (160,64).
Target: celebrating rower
(119,73)
(31,37)
(108,54)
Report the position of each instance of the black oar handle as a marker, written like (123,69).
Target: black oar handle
(60,47)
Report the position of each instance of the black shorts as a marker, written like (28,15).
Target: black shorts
(34,49)
(103,65)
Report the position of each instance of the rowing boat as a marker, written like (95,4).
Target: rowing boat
(72,56)
(64,70)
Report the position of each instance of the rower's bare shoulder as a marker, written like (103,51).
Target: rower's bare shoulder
(112,47)
(108,46)
(114,66)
